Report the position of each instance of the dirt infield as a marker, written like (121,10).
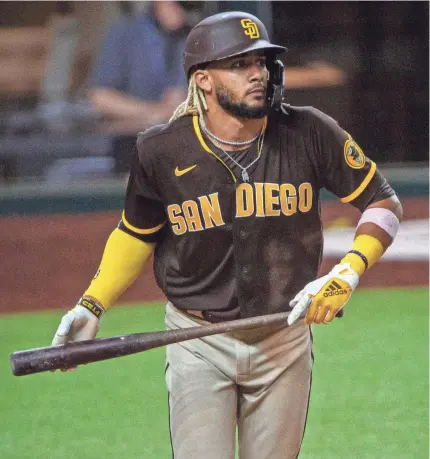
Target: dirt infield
(48,260)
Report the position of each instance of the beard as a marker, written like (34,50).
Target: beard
(238,109)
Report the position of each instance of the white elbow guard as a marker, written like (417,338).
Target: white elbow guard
(381,217)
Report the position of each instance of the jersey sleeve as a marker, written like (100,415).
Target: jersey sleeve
(345,170)
(144,213)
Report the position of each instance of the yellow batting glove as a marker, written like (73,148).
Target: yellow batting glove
(323,298)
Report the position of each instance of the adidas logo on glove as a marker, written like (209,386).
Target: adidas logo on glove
(334,289)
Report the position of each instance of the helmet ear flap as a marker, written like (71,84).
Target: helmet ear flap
(275,83)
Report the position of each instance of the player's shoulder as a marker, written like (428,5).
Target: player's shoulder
(163,137)
(305,115)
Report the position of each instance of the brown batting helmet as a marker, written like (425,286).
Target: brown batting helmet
(225,35)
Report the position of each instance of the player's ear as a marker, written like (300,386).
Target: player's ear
(203,80)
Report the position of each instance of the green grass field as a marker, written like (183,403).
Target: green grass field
(369,396)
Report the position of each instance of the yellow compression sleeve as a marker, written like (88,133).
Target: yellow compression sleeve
(123,260)
(369,247)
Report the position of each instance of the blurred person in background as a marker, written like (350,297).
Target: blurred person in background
(138,78)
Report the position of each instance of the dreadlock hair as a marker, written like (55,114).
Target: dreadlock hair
(194,104)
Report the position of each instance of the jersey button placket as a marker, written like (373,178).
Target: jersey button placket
(246,270)
(244,259)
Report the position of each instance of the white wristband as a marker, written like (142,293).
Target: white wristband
(381,217)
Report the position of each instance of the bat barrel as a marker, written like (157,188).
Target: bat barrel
(62,357)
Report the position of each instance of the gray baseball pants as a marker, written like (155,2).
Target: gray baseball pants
(257,381)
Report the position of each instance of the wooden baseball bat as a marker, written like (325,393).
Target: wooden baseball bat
(61,357)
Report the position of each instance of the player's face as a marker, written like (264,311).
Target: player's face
(241,84)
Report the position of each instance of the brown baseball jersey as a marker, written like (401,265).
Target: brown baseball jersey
(236,249)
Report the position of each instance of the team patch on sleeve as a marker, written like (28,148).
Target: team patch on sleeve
(353,154)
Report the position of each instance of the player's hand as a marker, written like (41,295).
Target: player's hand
(78,324)
(324,297)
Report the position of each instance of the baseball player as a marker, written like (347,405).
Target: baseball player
(227,197)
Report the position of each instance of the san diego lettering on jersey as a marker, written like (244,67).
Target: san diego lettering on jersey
(257,199)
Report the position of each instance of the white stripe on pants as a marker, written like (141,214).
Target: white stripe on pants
(257,379)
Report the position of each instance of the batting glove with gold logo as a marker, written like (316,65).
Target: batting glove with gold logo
(323,298)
